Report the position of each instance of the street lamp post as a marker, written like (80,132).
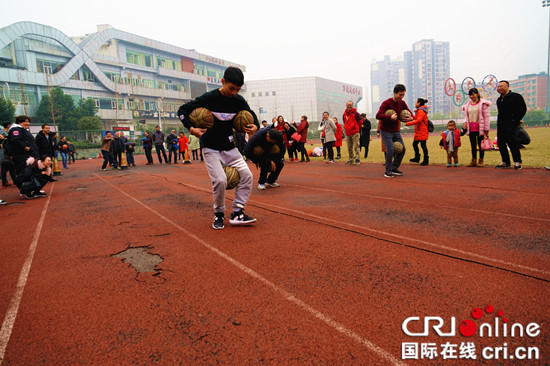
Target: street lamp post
(160,107)
(546,4)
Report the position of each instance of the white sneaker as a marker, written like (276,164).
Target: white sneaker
(261,187)
(272,185)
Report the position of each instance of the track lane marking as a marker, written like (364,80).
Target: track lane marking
(13,309)
(287,295)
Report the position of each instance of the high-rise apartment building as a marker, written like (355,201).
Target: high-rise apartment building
(423,70)
(533,89)
(383,76)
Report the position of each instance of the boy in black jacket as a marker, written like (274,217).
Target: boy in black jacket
(219,146)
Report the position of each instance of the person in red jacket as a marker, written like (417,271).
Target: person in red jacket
(421,132)
(183,142)
(339,137)
(390,125)
(302,131)
(352,126)
(450,141)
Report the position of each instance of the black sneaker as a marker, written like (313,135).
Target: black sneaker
(30,196)
(517,166)
(502,166)
(218,221)
(41,194)
(388,175)
(397,172)
(240,218)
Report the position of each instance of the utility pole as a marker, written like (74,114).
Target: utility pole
(49,90)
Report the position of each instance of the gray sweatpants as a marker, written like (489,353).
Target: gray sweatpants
(215,161)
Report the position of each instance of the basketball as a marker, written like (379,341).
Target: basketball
(65,147)
(397,148)
(389,112)
(404,114)
(258,151)
(241,120)
(275,150)
(233,177)
(201,118)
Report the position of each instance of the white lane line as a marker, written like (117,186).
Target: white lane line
(287,295)
(11,314)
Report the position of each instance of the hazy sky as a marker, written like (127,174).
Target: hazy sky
(337,41)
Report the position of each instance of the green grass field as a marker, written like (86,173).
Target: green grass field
(536,154)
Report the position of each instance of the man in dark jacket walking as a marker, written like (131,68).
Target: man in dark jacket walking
(158,140)
(511,109)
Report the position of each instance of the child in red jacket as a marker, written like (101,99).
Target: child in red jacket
(450,141)
(182,142)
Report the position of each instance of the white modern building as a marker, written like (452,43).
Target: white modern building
(134,81)
(299,96)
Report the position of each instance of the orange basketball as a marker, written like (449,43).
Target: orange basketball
(241,120)
(65,147)
(201,118)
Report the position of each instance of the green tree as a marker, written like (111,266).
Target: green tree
(60,107)
(86,108)
(7,110)
(535,115)
(438,115)
(89,123)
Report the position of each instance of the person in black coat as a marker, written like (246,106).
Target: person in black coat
(117,148)
(364,140)
(44,142)
(266,149)
(511,109)
(22,142)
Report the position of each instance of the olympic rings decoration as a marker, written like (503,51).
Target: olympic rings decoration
(492,81)
(459,98)
(450,87)
(470,83)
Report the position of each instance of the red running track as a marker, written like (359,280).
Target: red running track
(339,258)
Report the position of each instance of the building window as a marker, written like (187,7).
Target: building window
(113,104)
(253,95)
(273,93)
(260,94)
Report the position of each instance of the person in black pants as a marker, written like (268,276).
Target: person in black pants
(6,165)
(511,109)
(158,140)
(364,140)
(172,144)
(302,131)
(147,143)
(266,149)
(118,149)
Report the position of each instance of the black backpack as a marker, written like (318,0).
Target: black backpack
(430,126)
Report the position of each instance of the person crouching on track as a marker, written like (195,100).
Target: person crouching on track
(266,149)
(35,176)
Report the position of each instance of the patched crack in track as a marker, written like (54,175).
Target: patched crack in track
(141,259)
